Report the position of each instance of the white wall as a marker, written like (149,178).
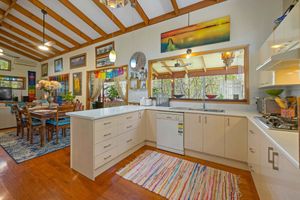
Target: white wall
(22,71)
(251,23)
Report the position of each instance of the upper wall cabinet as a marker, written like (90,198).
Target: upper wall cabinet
(285,38)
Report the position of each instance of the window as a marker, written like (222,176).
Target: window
(5,65)
(12,82)
(218,76)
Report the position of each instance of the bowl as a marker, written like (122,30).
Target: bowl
(274,92)
(178,96)
(211,96)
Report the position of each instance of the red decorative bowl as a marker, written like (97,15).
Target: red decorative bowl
(211,96)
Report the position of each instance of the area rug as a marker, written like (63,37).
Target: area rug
(21,150)
(175,178)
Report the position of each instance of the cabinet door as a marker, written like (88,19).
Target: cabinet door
(141,128)
(236,138)
(193,132)
(151,125)
(266,78)
(254,138)
(214,135)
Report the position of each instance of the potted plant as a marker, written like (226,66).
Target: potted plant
(69,97)
(112,92)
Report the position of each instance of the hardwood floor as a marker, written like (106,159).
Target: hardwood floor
(49,177)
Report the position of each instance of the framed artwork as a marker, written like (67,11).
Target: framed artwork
(104,49)
(77,84)
(58,65)
(78,61)
(44,69)
(5,64)
(31,85)
(204,33)
(103,62)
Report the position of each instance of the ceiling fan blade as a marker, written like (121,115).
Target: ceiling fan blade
(50,43)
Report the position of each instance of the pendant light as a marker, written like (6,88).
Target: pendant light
(114,3)
(189,50)
(43,46)
(112,54)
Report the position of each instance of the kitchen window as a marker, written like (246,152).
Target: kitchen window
(217,76)
(5,65)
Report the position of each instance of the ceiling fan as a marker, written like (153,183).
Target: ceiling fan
(177,64)
(45,45)
(2,53)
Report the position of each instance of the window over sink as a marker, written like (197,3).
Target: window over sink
(218,76)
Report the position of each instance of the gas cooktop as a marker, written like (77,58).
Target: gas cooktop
(278,123)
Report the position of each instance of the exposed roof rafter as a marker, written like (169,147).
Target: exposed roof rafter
(82,16)
(140,11)
(61,20)
(175,6)
(110,15)
(11,5)
(19,52)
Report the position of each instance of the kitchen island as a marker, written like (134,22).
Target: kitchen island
(101,138)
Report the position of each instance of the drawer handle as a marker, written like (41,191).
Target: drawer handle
(129,140)
(129,117)
(169,117)
(129,126)
(107,157)
(251,150)
(107,123)
(270,160)
(273,163)
(250,131)
(108,134)
(107,146)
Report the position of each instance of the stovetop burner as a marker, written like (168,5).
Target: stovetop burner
(276,122)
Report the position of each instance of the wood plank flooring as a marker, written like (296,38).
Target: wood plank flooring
(50,177)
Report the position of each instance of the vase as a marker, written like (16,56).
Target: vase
(49,98)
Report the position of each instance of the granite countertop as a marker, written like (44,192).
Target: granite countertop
(286,142)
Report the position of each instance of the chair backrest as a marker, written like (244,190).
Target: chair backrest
(78,106)
(27,115)
(15,109)
(62,110)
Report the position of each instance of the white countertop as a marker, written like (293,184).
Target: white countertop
(286,142)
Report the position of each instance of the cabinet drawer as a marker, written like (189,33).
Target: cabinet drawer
(105,146)
(104,124)
(105,134)
(105,157)
(128,125)
(131,117)
(128,140)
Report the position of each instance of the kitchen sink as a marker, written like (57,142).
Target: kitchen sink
(197,109)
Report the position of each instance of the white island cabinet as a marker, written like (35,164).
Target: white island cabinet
(98,144)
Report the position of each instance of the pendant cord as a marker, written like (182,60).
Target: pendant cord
(44,14)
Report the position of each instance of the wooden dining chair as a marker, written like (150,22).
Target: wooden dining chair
(32,124)
(20,121)
(60,122)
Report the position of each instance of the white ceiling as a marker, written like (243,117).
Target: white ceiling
(128,16)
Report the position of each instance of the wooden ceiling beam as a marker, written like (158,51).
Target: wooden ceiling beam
(18,51)
(8,41)
(60,19)
(175,6)
(26,35)
(82,16)
(11,5)
(167,67)
(110,15)
(21,41)
(48,26)
(140,11)
(156,20)
(36,31)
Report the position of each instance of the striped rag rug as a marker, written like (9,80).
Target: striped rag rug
(175,178)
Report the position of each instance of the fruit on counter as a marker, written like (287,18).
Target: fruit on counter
(281,103)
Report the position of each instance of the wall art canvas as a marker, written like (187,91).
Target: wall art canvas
(104,49)
(204,33)
(77,84)
(44,69)
(78,61)
(31,85)
(58,65)
(103,62)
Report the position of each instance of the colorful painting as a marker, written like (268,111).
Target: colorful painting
(77,84)
(44,69)
(58,65)
(210,32)
(78,61)
(31,85)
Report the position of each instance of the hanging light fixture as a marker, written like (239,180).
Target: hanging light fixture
(228,58)
(114,3)
(43,46)
(189,50)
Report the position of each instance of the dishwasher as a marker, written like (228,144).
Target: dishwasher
(170,132)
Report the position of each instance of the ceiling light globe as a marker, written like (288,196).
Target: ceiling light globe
(112,56)
(43,48)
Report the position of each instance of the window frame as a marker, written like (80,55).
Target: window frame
(246,100)
(9,64)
